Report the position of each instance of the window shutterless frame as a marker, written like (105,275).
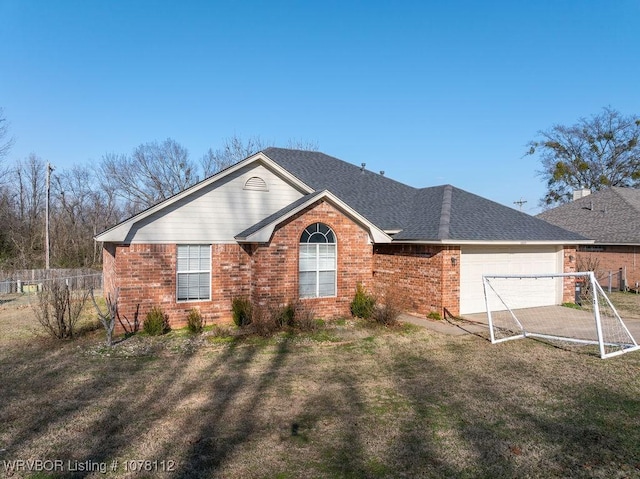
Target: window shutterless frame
(317,262)
(193,272)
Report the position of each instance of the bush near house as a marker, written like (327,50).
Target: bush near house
(156,322)
(363,304)
(242,311)
(195,323)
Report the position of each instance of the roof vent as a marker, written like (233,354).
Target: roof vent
(381,172)
(362,165)
(581,193)
(255,183)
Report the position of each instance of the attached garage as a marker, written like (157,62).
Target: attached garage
(476,261)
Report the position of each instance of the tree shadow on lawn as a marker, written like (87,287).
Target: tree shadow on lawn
(474,422)
(268,409)
(232,415)
(91,409)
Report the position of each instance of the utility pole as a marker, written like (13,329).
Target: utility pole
(520,202)
(47,245)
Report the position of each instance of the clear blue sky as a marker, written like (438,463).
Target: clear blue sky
(432,92)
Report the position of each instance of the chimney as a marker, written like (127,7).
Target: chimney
(577,194)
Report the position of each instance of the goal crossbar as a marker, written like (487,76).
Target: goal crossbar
(509,319)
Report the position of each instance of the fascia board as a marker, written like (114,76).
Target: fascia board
(450,242)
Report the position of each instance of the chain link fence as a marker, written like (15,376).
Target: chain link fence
(33,281)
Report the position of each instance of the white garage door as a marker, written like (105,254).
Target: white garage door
(476,261)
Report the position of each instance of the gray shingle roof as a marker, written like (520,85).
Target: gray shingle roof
(427,214)
(610,216)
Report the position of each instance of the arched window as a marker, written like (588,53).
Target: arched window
(317,265)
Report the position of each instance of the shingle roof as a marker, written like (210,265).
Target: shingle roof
(379,199)
(610,216)
(427,214)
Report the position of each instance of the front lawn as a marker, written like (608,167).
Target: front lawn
(351,402)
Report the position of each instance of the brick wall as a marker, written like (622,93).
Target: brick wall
(275,265)
(569,266)
(146,276)
(612,259)
(421,277)
(267,273)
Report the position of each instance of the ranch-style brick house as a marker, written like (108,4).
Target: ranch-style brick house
(286,225)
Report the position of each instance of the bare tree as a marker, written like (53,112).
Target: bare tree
(235,149)
(155,171)
(81,210)
(308,145)
(6,142)
(595,153)
(108,317)
(27,195)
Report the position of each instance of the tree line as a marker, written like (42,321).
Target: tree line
(87,199)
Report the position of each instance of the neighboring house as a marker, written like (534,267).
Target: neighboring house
(611,217)
(284,225)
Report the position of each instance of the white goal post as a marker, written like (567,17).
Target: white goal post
(525,306)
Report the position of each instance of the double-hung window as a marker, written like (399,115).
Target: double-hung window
(317,265)
(194,272)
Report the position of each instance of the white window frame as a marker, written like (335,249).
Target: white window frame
(193,272)
(317,270)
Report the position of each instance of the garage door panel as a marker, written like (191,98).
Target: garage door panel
(478,261)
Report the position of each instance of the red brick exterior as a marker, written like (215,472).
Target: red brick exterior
(612,259)
(265,273)
(569,266)
(423,278)
(419,278)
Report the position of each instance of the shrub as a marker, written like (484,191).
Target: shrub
(363,304)
(156,322)
(194,321)
(305,317)
(386,314)
(285,316)
(434,315)
(264,321)
(242,312)
(58,309)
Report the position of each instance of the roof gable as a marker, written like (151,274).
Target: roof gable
(261,232)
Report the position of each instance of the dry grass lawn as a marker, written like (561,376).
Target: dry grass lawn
(350,402)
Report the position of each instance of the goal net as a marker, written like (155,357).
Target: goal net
(522,306)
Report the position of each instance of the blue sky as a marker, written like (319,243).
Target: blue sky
(432,92)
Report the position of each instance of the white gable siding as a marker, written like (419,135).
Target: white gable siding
(217,213)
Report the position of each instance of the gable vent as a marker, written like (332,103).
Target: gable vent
(255,183)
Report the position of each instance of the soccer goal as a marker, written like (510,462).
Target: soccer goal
(523,306)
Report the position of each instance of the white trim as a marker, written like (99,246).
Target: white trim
(209,271)
(263,235)
(496,243)
(317,269)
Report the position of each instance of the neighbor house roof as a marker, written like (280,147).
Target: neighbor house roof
(610,216)
(436,214)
